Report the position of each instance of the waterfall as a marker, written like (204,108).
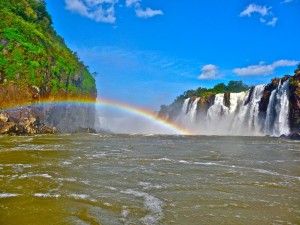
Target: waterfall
(277,119)
(218,109)
(188,113)
(193,110)
(236,100)
(185,105)
(241,115)
(247,121)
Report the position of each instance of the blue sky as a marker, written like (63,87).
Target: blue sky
(148,52)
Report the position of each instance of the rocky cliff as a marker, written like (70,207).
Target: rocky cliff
(269,109)
(37,66)
(295,101)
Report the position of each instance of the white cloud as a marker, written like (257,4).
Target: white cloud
(104,10)
(130,3)
(285,63)
(287,1)
(147,13)
(262,20)
(253,8)
(265,13)
(263,69)
(98,10)
(143,13)
(272,22)
(76,6)
(209,72)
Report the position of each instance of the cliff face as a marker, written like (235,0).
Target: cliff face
(270,109)
(295,102)
(36,65)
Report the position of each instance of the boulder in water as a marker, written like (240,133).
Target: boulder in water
(295,136)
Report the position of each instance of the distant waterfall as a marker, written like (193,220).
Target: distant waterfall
(239,113)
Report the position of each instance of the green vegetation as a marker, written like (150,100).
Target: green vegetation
(31,53)
(204,93)
(295,82)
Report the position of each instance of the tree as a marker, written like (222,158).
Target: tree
(237,86)
(219,88)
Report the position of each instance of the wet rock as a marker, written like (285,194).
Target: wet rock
(295,136)
(8,127)
(26,123)
(227,99)
(48,130)
(86,130)
(294,86)
(250,96)
(4,117)
(264,102)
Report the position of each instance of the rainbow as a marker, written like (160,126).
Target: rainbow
(117,105)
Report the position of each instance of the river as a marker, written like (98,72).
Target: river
(148,179)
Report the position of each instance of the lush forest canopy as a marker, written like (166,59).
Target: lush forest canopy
(31,52)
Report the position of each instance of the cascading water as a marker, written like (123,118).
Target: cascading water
(241,116)
(185,105)
(277,119)
(188,113)
(193,110)
(247,121)
(218,109)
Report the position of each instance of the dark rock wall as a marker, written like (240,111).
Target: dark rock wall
(70,117)
(295,102)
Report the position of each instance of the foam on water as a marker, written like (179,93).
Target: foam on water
(28,147)
(152,204)
(149,186)
(69,179)
(46,195)
(29,175)
(8,195)
(79,196)
(125,212)
(165,159)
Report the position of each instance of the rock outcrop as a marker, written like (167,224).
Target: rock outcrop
(22,112)
(295,102)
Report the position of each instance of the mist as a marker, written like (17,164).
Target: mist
(119,121)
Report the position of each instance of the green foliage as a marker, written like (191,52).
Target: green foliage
(298,69)
(31,53)
(233,86)
(236,86)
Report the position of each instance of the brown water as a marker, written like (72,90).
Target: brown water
(132,179)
